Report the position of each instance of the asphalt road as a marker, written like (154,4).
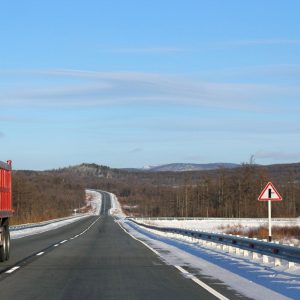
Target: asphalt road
(101,263)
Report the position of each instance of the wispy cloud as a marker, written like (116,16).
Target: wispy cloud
(18,119)
(149,50)
(2,135)
(224,125)
(256,73)
(122,88)
(136,150)
(207,45)
(267,41)
(278,155)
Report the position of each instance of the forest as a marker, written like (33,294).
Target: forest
(222,193)
(218,193)
(39,196)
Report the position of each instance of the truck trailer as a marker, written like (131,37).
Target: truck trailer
(6,210)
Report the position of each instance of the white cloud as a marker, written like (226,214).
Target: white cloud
(223,124)
(92,88)
(262,73)
(136,150)
(278,41)
(278,155)
(149,50)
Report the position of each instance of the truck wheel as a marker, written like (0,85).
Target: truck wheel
(3,248)
(7,239)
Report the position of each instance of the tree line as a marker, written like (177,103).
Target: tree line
(229,193)
(223,193)
(39,196)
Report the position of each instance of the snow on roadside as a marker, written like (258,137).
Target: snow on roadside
(95,201)
(251,278)
(40,229)
(221,225)
(116,209)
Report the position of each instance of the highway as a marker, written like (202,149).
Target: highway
(103,262)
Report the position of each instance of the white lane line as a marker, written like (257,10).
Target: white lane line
(12,270)
(56,245)
(87,229)
(185,272)
(153,250)
(201,283)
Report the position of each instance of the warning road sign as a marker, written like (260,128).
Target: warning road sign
(269,193)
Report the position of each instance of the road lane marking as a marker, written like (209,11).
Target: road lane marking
(29,259)
(153,250)
(12,269)
(185,272)
(201,283)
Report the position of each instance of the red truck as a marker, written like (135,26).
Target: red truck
(6,210)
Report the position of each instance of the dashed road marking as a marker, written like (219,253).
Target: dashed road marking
(12,270)
(27,260)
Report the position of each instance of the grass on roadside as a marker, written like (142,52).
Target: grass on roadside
(286,234)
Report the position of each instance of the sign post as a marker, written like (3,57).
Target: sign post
(269,194)
(270,219)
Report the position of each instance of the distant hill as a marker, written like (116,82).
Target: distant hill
(86,169)
(182,167)
(278,171)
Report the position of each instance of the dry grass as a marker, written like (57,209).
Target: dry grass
(280,233)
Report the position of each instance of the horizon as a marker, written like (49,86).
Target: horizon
(131,82)
(151,166)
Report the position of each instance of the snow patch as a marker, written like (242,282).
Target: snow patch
(251,278)
(221,225)
(94,201)
(116,209)
(20,233)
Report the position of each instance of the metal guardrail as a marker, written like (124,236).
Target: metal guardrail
(40,224)
(285,252)
(213,219)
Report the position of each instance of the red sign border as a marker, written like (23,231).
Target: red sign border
(269,199)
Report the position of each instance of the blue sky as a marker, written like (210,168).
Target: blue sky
(132,83)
